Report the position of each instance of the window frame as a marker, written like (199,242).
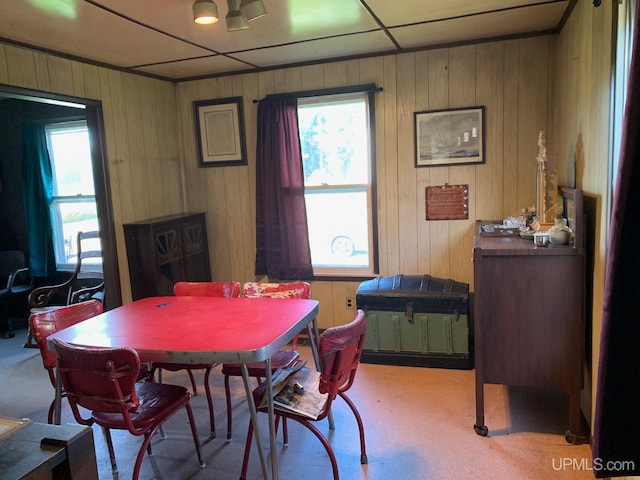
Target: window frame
(347,273)
(57,201)
(624,22)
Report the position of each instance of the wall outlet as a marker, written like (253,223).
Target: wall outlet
(350,303)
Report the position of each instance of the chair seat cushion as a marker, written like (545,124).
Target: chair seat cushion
(281,359)
(157,402)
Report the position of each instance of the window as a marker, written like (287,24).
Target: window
(73,207)
(336,138)
(623,51)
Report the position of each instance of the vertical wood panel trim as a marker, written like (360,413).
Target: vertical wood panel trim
(405,107)
(4,68)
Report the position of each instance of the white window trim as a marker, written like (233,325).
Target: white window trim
(311,98)
(58,200)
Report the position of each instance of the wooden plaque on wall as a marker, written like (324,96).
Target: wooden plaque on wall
(447,202)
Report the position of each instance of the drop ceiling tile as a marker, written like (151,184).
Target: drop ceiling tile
(532,19)
(198,67)
(358,44)
(81,29)
(286,21)
(415,11)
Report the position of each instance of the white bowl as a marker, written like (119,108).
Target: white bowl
(560,237)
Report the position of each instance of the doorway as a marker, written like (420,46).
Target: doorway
(35,104)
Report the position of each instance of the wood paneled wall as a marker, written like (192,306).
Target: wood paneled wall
(582,79)
(153,160)
(510,78)
(141,132)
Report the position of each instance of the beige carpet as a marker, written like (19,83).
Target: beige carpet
(418,423)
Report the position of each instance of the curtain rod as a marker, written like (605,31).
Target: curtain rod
(325,91)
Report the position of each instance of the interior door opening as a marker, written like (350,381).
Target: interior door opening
(89,111)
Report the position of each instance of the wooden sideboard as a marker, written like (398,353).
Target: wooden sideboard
(164,250)
(529,306)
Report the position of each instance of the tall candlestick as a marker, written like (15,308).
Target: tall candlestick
(541,179)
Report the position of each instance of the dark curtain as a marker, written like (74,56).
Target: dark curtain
(37,192)
(282,240)
(616,435)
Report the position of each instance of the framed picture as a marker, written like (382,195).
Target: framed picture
(220,132)
(449,137)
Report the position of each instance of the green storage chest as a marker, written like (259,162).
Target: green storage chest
(416,320)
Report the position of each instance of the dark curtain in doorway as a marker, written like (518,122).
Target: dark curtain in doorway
(616,435)
(37,192)
(282,240)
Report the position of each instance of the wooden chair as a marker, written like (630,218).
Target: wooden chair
(84,283)
(210,289)
(283,358)
(44,323)
(340,349)
(104,381)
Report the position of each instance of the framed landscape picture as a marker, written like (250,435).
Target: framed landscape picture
(449,137)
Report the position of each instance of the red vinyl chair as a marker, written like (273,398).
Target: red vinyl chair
(210,289)
(104,381)
(340,349)
(44,323)
(207,289)
(283,358)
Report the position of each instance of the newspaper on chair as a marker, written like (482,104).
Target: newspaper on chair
(296,390)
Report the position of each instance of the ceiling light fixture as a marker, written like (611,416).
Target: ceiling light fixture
(252,9)
(205,12)
(234,18)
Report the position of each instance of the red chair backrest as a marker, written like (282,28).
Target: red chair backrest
(100,379)
(46,322)
(276,290)
(340,349)
(207,289)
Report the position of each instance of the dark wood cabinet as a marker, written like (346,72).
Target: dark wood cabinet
(529,313)
(37,451)
(164,250)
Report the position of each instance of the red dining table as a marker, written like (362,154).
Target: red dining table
(202,330)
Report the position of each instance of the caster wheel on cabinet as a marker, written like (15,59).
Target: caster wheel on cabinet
(575,439)
(570,437)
